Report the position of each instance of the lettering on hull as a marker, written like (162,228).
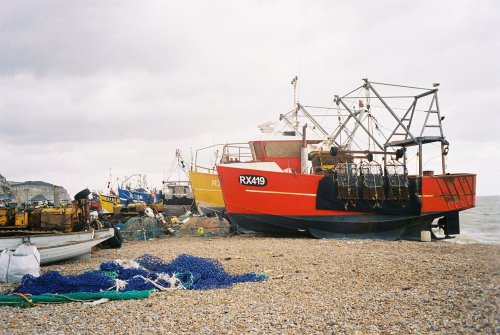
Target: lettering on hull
(252,180)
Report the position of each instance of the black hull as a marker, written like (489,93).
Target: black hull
(212,211)
(182,201)
(385,227)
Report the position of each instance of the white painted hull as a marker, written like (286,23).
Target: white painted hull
(60,246)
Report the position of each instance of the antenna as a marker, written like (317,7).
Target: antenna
(110,178)
(294,83)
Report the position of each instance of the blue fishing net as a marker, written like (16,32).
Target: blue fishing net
(55,282)
(121,272)
(186,271)
(196,272)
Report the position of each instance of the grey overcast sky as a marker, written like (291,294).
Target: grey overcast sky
(88,86)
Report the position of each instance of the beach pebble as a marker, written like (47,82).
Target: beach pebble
(315,287)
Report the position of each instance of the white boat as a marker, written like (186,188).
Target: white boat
(56,247)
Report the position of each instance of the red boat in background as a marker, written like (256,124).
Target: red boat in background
(340,189)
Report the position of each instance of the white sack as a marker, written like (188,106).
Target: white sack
(14,265)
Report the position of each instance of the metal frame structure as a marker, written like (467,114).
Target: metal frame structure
(221,152)
(217,159)
(403,135)
(291,120)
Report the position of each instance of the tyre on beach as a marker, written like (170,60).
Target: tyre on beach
(114,242)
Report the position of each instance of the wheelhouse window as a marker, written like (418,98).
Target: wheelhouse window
(259,152)
(282,149)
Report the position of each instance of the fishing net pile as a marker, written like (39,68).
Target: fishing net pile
(120,280)
(142,228)
(204,226)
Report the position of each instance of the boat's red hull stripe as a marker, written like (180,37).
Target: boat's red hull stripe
(283,193)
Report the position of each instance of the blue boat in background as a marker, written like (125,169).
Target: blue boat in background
(137,195)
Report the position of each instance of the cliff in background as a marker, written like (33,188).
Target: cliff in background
(5,188)
(17,191)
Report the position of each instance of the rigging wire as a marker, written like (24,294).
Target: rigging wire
(402,86)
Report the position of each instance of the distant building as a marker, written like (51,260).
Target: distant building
(39,199)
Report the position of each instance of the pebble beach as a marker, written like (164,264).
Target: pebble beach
(314,287)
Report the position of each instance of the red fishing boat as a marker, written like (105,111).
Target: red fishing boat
(340,189)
